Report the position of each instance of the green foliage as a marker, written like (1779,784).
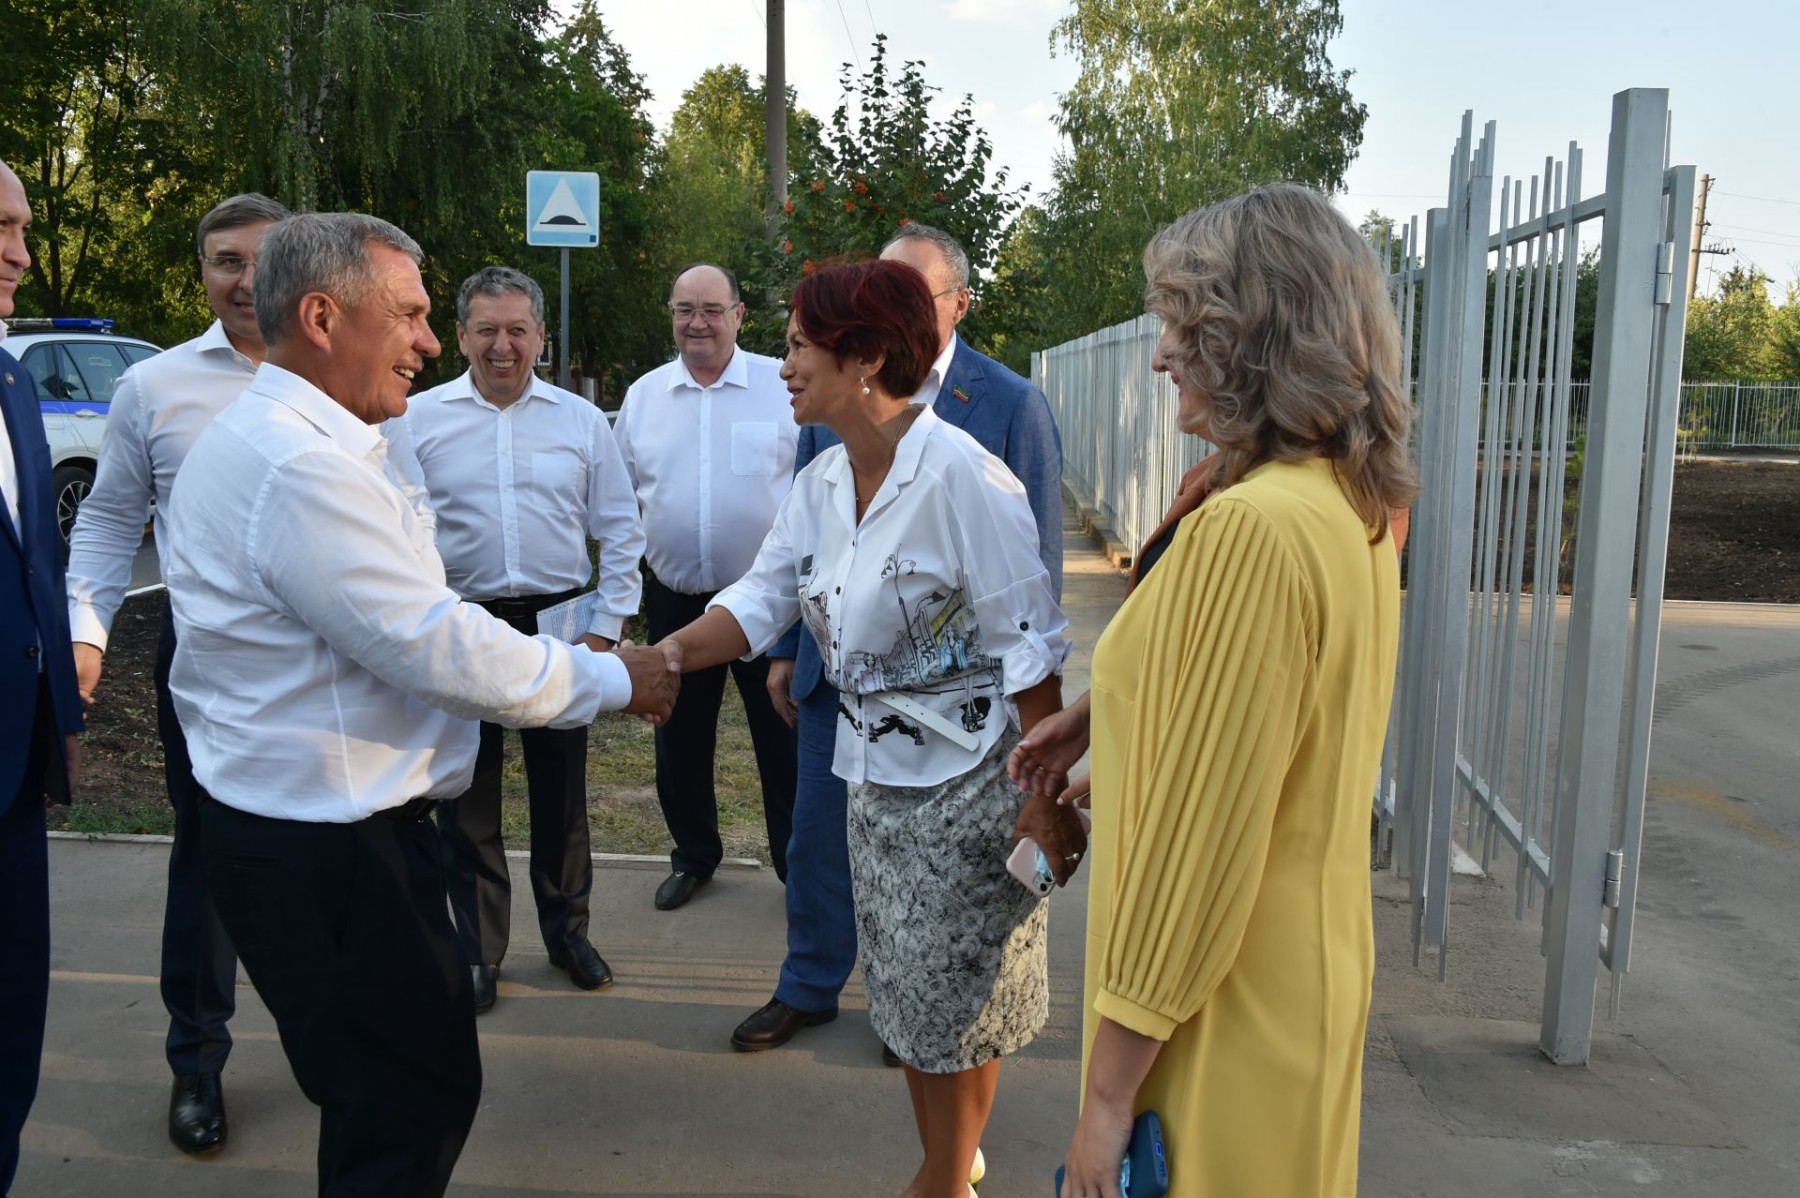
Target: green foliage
(1178,104)
(883,161)
(1736,334)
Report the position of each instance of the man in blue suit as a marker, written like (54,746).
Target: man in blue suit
(40,709)
(1012,420)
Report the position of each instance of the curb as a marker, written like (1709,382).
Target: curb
(621,860)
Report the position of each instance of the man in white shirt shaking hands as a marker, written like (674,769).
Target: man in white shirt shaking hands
(521,473)
(328,682)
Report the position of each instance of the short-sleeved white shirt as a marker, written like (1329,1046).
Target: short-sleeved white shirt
(938,595)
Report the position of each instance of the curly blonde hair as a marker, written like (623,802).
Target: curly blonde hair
(1277,311)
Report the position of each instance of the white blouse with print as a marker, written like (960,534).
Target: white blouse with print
(937,598)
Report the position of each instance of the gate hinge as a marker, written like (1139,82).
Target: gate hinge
(1665,272)
(1615,877)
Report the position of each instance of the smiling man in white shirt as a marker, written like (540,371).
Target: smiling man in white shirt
(520,474)
(158,409)
(709,440)
(328,681)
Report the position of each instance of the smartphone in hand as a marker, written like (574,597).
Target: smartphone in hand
(1145,1170)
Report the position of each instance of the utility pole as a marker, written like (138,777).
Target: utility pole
(775,112)
(1700,224)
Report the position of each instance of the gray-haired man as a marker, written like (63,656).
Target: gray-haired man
(328,682)
(521,473)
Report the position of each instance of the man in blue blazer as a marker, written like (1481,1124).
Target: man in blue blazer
(1012,420)
(40,709)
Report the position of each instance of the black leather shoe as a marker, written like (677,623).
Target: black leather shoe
(677,889)
(889,1057)
(487,978)
(584,966)
(197,1113)
(776,1024)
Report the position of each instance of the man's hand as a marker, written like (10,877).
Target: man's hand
(1058,832)
(1041,762)
(654,684)
(595,641)
(87,670)
(781,689)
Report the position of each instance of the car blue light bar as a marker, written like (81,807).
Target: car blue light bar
(77,324)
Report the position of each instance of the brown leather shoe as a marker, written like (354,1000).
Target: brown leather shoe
(774,1025)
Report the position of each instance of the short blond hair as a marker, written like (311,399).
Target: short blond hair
(1280,317)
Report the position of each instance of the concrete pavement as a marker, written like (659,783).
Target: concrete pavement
(634,1091)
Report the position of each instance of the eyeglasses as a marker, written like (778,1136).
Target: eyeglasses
(229,265)
(956,290)
(712,313)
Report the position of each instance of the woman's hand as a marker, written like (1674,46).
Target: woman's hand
(1080,792)
(1058,832)
(1096,1151)
(1041,762)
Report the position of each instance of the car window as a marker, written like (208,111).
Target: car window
(100,366)
(136,353)
(54,374)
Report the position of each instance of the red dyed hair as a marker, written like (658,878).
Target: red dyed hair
(862,309)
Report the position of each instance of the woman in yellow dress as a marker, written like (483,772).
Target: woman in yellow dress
(1239,704)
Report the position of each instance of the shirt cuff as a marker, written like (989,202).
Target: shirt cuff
(615,681)
(606,625)
(86,628)
(1132,1017)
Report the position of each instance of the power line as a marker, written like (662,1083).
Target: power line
(1760,199)
(873,27)
(1719,224)
(848,36)
(760,19)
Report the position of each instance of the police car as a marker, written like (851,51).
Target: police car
(74,360)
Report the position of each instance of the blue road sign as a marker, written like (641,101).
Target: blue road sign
(562,208)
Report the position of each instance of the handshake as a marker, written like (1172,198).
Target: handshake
(655,678)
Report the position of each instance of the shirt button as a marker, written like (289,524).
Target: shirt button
(1024,625)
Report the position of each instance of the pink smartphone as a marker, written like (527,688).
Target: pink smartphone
(1028,865)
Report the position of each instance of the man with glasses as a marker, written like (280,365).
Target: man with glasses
(708,440)
(159,407)
(1011,419)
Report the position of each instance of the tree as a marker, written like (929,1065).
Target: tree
(1181,103)
(884,161)
(1731,335)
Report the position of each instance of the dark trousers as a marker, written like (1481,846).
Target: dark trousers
(199,966)
(24,940)
(821,913)
(686,744)
(345,933)
(562,864)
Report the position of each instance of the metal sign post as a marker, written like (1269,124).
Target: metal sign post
(562,208)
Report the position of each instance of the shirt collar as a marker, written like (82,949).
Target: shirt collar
(216,341)
(940,367)
(464,388)
(907,453)
(2,330)
(737,373)
(316,408)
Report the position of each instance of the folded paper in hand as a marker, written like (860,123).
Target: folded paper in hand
(569,620)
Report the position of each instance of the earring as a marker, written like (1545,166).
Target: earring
(863,379)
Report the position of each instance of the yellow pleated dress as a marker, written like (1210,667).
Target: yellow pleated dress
(1240,700)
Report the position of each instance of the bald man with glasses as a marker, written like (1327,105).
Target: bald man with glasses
(708,440)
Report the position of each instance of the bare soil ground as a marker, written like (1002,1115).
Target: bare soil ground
(1734,535)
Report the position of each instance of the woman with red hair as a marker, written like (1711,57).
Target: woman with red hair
(911,554)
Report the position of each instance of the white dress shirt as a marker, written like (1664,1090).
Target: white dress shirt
(518,490)
(710,465)
(9,469)
(939,595)
(159,407)
(323,669)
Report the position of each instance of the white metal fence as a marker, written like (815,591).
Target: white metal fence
(1518,723)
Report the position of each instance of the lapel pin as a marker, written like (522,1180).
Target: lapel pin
(960,394)
(9,378)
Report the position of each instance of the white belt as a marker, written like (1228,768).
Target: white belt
(913,709)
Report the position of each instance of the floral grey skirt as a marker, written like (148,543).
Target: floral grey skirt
(952,945)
